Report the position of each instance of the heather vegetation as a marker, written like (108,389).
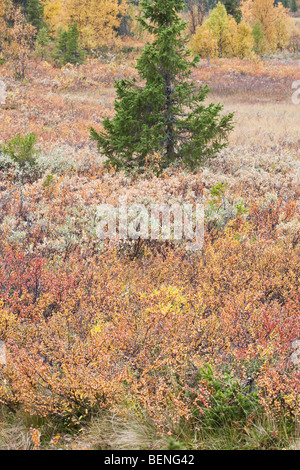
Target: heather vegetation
(143,344)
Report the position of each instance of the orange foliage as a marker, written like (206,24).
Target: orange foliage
(91,326)
(86,333)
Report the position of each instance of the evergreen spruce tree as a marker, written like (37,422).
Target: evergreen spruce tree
(233,9)
(35,14)
(166,116)
(68,49)
(294,6)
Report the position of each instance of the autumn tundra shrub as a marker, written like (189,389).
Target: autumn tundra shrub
(194,345)
(112,333)
(91,327)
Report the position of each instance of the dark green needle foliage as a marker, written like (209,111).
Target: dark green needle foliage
(35,14)
(294,6)
(167,115)
(233,9)
(68,49)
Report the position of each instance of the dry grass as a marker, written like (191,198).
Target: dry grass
(110,432)
(264,123)
(14,434)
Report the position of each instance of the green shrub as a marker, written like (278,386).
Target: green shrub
(22,155)
(229,400)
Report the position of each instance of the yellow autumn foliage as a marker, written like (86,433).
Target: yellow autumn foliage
(275,22)
(221,36)
(97,20)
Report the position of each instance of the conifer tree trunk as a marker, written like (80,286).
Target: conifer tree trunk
(170,150)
